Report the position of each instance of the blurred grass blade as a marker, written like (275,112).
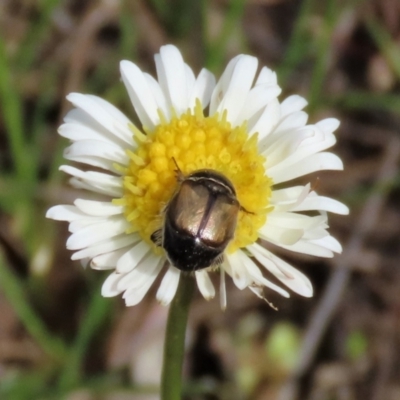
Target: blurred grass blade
(129,35)
(12,114)
(216,52)
(14,291)
(388,48)
(364,100)
(38,32)
(321,64)
(96,314)
(296,50)
(29,386)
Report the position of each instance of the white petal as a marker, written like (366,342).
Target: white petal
(79,117)
(96,148)
(233,266)
(257,276)
(93,177)
(316,233)
(158,95)
(120,123)
(135,295)
(79,224)
(96,233)
(316,162)
(108,245)
(292,121)
(111,110)
(287,199)
(203,88)
(328,125)
(107,260)
(79,184)
(308,247)
(321,203)
(95,181)
(133,257)
(266,75)
(169,285)
(205,285)
(288,275)
(97,162)
(297,146)
(280,235)
(140,94)
(330,243)
(76,131)
(292,220)
(145,270)
(265,122)
(232,89)
(104,113)
(171,73)
(99,267)
(222,84)
(98,208)
(110,285)
(292,104)
(64,213)
(258,98)
(222,289)
(190,82)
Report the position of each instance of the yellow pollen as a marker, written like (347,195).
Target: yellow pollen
(195,142)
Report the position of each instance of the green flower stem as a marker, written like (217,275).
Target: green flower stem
(174,346)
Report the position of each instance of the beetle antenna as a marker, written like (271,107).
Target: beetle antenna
(178,173)
(246,211)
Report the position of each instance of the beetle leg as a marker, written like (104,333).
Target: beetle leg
(156,237)
(259,291)
(218,261)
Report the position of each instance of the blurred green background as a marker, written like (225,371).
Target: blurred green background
(60,340)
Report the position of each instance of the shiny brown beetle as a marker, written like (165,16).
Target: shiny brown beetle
(199,221)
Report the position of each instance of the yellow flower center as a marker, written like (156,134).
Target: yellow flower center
(195,142)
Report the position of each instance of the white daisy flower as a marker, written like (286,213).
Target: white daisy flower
(236,127)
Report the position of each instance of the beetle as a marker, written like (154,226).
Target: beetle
(199,220)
